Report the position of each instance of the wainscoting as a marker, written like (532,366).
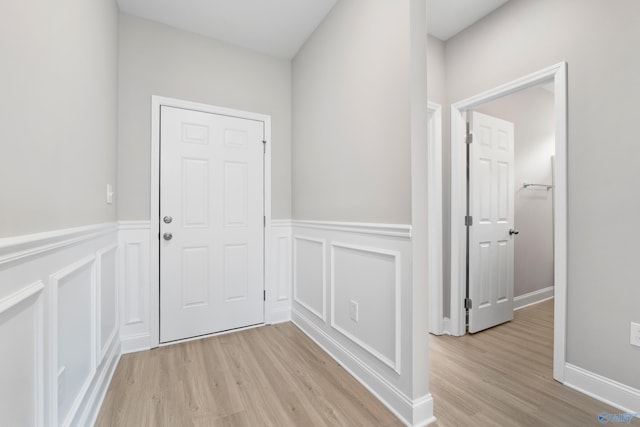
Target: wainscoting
(58,325)
(139,285)
(350,284)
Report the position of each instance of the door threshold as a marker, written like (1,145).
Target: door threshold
(214,334)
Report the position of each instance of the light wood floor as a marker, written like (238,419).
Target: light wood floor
(503,377)
(276,376)
(268,376)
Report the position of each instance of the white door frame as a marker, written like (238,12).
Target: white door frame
(434,221)
(558,75)
(154,246)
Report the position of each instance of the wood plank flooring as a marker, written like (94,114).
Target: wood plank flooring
(268,376)
(276,376)
(503,377)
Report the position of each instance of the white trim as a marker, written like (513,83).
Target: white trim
(54,280)
(393,364)
(154,262)
(20,248)
(606,390)
(375,229)
(557,74)
(322,316)
(535,297)
(10,301)
(434,221)
(395,400)
(279,315)
(281,223)
(135,343)
(100,387)
(134,225)
(102,351)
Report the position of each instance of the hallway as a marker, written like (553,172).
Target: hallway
(503,377)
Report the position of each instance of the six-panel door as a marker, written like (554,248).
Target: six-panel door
(211,223)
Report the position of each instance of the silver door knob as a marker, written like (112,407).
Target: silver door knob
(167,236)
(167,219)
(512,232)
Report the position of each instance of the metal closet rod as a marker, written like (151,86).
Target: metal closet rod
(547,186)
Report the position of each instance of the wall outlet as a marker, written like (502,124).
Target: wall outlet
(635,334)
(109,194)
(353,310)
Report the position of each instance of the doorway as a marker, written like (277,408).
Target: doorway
(557,76)
(210,210)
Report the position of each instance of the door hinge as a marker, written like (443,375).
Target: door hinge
(264,295)
(158,236)
(468,220)
(264,146)
(467,304)
(469,138)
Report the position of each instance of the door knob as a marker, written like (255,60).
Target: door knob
(167,219)
(512,232)
(167,236)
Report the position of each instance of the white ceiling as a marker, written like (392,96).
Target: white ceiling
(280,27)
(446,18)
(275,27)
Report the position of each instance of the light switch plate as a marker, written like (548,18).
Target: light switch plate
(109,194)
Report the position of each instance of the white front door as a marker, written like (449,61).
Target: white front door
(211,223)
(491,243)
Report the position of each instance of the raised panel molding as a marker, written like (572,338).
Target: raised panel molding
(369,264)
(279,272)
(395,286)
(12,308)
(133,285)
(63,267)
(104,341)
(299,284)
(84,367)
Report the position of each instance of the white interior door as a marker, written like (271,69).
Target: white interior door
(491,242)
(211,223)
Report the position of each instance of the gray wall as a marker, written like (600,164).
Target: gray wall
(437,92)
(598,39)
(359,108)
(58,114)
(351,155)
(532,113)
(156,59)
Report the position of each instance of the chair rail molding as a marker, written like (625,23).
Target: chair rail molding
(58,306)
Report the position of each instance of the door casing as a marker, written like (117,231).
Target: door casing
(556,74)
(154,246)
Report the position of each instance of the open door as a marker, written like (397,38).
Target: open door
(491,230)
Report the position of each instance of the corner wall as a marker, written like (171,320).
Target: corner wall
(358,155)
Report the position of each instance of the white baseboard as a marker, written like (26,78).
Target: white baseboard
(133,343)
(101,386)
(535,297)
(280,316)
(446,326)
(397,402)
(606,390)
